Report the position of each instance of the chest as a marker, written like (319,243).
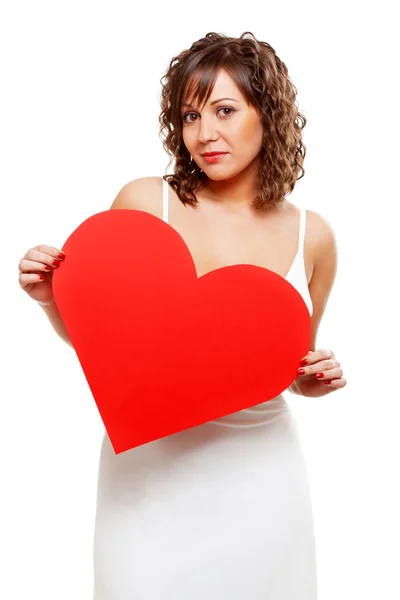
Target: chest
(219,240)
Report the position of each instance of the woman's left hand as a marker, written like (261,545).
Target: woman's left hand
(320,373)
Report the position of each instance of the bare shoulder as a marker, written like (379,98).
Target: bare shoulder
(144,193)
(321,233)
(318,227)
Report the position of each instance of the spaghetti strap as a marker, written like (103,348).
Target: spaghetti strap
(297,275)
(302,230)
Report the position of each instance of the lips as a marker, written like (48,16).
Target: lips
(213,153)
(213,158)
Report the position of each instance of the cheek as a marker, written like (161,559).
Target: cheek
(252,132)
(187,139)
(248,141)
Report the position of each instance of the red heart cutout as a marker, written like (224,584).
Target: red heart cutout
(163,350)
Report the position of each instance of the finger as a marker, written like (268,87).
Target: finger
(40,257)
(317,355)
(44,253)
(330,374)
(50,250)
(336,383)
(26,279)
(38,252)
(323,365)
(27,266)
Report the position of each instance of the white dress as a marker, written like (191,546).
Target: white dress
(220,511)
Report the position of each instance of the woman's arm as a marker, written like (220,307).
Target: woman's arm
(54,317)
(324,274)
(320,286)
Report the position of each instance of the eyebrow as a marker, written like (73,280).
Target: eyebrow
(215,102)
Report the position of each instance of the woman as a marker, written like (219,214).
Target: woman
(222,510)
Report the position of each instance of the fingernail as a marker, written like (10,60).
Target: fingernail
(301,371)
(61,255)
(48,268)
(327,381)
(304,362)
(319,375)
(42,277)
(56,263)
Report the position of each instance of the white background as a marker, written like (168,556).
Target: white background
(79,108)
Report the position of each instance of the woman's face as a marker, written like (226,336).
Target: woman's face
(229,126)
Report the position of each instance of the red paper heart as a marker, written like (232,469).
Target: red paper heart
(161,349)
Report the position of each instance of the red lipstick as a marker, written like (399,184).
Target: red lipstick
(211,157)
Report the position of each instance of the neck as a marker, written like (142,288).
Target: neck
(237,192)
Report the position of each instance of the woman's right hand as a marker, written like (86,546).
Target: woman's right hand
(38,262)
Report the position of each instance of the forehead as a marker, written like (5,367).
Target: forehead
(224,86)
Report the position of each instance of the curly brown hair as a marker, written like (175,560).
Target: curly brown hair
(264,81)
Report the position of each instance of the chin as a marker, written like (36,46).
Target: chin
(222,175)
(218,177)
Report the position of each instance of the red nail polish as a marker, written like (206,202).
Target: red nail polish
(327,381)
(319,375)
(56,263)
(304,362)
(47,268)
(301,371)
(42,277)
(61,255)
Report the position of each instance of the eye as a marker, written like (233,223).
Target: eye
(232,110)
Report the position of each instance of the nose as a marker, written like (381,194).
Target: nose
(206,131)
